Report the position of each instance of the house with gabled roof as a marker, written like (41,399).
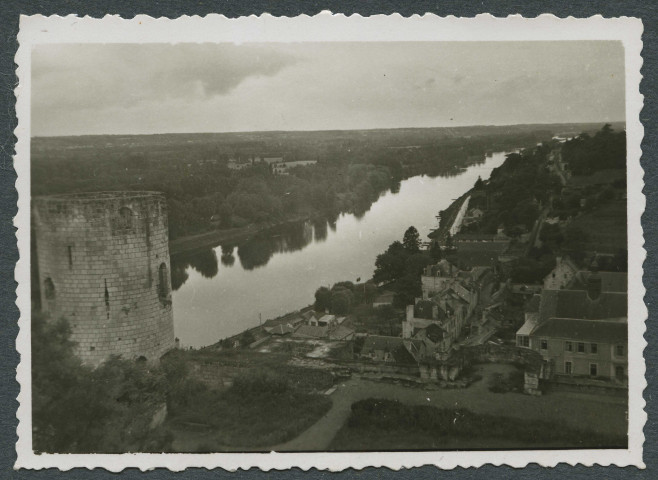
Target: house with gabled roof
(383,349)
(583,332)
(561,275)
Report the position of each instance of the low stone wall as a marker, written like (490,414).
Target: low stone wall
(525,357)
(382,368)
(221,376)
(436,372)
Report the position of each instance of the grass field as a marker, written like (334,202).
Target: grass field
(259,410)
(383,425)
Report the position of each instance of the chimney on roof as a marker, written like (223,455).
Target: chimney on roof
(594,286)
(594,267)
(435,312)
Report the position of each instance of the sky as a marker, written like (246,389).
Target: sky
(80,89)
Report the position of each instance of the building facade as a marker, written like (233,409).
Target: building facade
(584,348)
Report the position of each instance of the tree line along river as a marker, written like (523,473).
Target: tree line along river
(222,292)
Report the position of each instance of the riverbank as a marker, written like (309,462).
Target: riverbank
(448,217)
(230,236)
(221,296)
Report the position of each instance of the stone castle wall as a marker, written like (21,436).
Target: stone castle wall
(103,263)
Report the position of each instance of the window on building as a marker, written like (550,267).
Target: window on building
(163,282)
(594,348)
(125,218)
(568,347)
(568,368)
(620,350)
(593,369)
(619,372)
(123,222)
(543,344)
(523,341)
(581,347)
(49,289)
(70,251)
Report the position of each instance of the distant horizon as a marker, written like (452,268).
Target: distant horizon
(612,122)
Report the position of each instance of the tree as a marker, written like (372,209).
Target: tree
(369,292)
(551,235)
(247,338)
(435,252)
(479,184)
(411,240)
(389,265)
(341,301)
(388,319)
(322,299)
(79,410)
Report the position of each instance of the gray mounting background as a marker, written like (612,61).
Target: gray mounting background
(9,17)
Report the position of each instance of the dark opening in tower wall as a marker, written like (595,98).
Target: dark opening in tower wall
(107,300)
(49,289)
(163,282)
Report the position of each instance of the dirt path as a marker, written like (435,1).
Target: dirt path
(579,410)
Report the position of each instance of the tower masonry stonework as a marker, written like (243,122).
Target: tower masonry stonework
(103,263)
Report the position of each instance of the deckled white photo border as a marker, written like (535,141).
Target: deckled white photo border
(326,27)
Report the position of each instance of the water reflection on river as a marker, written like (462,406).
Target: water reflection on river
(221,291)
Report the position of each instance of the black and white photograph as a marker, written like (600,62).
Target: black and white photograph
(332,246)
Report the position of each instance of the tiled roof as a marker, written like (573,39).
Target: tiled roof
(577,304)
(478,272)
(527,327)
(311,331)
(605,331)
(340,333)
(280,329)
(533,304)
(327,318)
(402,355)
(610,281)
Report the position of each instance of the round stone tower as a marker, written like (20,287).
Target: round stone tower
(103,263)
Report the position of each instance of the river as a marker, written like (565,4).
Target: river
(218,293)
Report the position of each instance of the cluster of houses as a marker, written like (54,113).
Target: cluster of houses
(578,323)
(451,299)
(278,163)
(433,326)
(309,325)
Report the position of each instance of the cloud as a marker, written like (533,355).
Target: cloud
(97,76)
(80,89)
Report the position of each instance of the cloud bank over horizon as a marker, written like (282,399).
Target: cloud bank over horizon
(163,88)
